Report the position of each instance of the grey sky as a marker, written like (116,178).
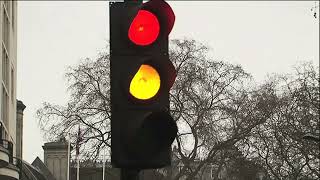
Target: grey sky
(263,37)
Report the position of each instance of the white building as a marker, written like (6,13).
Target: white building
(8,103)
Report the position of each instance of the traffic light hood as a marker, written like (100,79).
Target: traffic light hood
(164,13)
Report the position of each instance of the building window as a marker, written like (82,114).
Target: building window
(5,68)
(212,172)
(3,133)
(4,108)
(7,7)
(1,136)
(5,29)
(13,14)
(12,85)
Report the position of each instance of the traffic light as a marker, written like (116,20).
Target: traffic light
(141,76)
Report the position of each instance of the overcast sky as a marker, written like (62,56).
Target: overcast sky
(263,37)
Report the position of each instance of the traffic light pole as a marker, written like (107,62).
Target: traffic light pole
(129,174)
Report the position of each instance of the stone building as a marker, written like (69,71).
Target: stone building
(12,167)
(55,167)
(10,135)
(56,158)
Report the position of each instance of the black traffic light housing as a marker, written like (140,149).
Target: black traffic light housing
(142,128)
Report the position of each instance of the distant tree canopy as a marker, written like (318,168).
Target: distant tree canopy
(278,142)
(217,107)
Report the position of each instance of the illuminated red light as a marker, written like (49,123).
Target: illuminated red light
(144,29)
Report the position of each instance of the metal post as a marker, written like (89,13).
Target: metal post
(78,168)
(103,170)
(103,164)
(68,170)
(129,174)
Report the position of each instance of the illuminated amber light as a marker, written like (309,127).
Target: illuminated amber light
(146,83)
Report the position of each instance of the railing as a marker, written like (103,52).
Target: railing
(18,163)
(9,146)
(90,163)
(12,160)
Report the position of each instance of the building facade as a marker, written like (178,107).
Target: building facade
(55,167)
(8,103)
(56,158)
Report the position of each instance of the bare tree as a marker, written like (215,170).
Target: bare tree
(211,101)
(278,142)
(89,106)
(217,107)
(315,10)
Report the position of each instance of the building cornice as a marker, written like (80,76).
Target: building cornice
(20,106)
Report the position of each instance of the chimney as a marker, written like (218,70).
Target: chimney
(56,158)
(19,129)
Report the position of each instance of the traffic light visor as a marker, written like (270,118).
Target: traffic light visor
(146,83)
(144,28)
(162,10)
